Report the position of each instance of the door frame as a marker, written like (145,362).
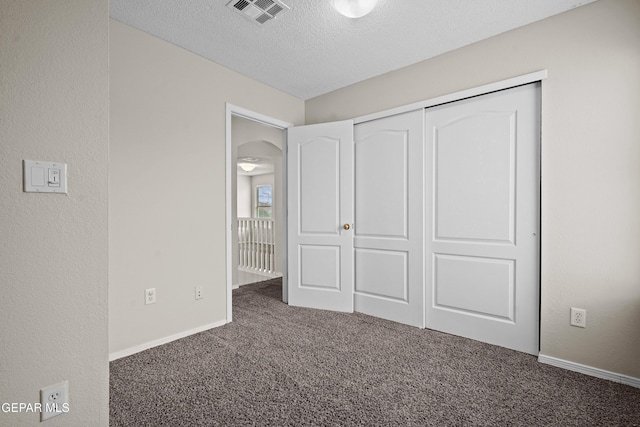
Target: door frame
(234,110)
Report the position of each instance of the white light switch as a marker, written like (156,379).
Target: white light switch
(37,177)
(44,177)
(54,177)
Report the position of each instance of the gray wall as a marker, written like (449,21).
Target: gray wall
(167,184)
(590,163)
(54,106)
(244,195)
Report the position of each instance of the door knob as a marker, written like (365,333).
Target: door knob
(346,226)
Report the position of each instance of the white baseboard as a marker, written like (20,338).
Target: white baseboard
(589,370)
(138,348)
(272,274)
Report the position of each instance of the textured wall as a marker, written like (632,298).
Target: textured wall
(53,248)
(244,196)
(167,183)
(590,163)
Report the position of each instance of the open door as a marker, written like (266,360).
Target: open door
(320,216)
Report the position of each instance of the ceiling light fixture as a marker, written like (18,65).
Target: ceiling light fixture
(354,8)
(247,167)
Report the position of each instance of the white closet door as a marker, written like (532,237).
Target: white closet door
(389,215)
(482,244)
(320,201)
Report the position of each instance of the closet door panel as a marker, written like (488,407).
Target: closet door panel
(381,190)
(389,163)
(482,244)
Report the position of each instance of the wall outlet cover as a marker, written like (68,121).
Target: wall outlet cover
(150,296)
(578,317)
(54,400)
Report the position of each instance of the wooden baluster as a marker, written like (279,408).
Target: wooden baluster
(240,242)
(244,242)
(272,249)
(261,266)
(256,244)
(242,239)
(252,239)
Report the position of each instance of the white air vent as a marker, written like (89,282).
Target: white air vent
(258,11)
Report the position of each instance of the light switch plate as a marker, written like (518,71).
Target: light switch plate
(44,177)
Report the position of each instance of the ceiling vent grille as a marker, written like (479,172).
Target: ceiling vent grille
(258,11)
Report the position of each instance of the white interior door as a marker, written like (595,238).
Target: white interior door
(482,247)
(389,213)
(320,199)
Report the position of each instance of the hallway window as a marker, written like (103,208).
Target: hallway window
(264,205)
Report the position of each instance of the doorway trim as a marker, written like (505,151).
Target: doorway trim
(234,110)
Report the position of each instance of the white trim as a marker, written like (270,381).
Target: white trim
(456,96)
(138,348)
(589,370)
(284,207)
(257,117)
(228,209)
(234,110)
(266,274)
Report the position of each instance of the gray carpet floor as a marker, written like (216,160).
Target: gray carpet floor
(276,365)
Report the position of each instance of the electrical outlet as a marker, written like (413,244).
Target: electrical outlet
(150,296)
(199,294)
(578,317)
(54,400)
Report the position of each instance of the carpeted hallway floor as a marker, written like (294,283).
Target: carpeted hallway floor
(276,365)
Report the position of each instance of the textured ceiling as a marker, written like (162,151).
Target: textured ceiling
(312,49)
